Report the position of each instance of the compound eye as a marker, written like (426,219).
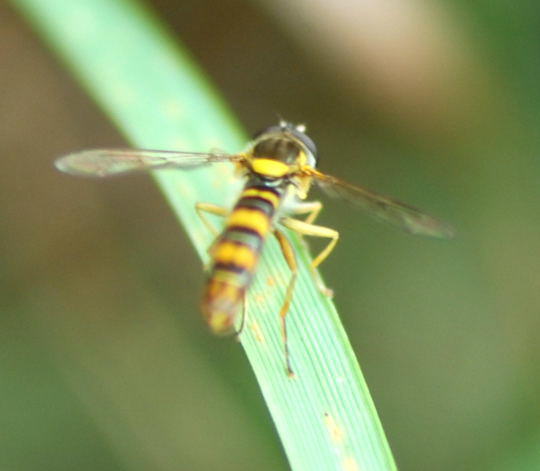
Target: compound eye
(307,141)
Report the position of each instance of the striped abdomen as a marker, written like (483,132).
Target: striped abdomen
(236,253)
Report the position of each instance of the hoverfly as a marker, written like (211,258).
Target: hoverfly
(279,166)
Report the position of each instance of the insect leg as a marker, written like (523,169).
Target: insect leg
(290,258)
(243,318)
(303,228)
(312,208)
(203,208)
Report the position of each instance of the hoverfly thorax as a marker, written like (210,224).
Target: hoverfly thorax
(281,151)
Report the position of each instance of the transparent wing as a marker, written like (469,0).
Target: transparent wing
(384,208)
(109,162)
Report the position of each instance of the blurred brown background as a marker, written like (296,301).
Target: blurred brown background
(104,361)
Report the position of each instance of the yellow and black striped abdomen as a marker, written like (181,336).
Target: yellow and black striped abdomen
(236,253)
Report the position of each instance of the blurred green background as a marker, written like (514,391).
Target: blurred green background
(104,361)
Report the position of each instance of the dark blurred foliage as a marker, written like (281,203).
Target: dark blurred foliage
(105,363)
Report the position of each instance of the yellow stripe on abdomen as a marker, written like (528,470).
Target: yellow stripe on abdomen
(232,253)
(250,219)
(266,195)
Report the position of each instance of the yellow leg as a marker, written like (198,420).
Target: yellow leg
(306,229)
(290,258)
(312,208)
(210,208)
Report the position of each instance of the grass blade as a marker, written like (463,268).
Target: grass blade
(149,87)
